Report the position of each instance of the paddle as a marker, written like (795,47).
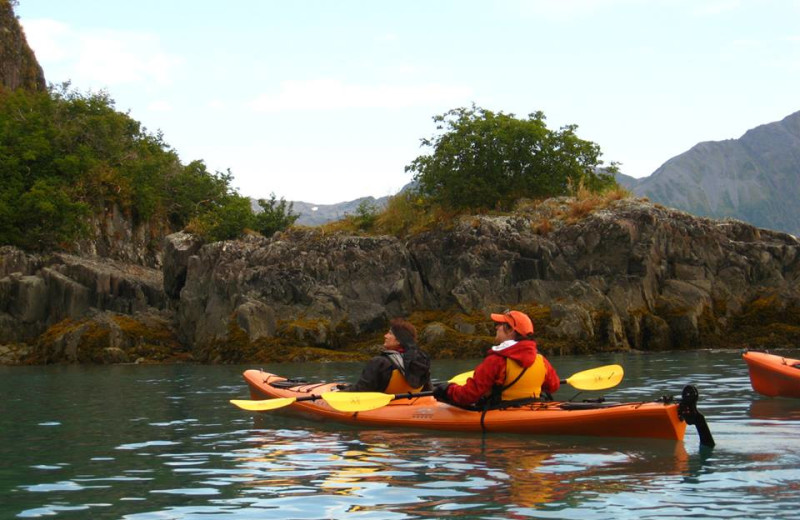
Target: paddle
(341,401)
(593,379)
(600,378)
(269,404)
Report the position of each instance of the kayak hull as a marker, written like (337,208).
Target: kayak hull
(773,375)
(648,419)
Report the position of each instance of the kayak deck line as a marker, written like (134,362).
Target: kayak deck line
(663,419)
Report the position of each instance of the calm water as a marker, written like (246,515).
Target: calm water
(162,442)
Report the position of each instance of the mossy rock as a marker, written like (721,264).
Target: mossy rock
(109,338)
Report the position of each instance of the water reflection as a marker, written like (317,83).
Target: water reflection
(775,409)
(429,475)
(149,443)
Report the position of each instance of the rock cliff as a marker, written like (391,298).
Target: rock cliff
(627,275)
(18,65)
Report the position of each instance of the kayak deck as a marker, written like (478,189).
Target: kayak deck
(773,375)
(642,419)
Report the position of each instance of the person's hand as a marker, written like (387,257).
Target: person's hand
(440,391)
(342,387)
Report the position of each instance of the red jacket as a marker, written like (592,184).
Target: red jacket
(492,371)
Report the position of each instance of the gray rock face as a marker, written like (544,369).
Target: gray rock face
(36,292)
(18,65)
(114,235)
(302,275)
(632,275)
(179,247)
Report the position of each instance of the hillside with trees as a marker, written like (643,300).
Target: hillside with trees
(67,156)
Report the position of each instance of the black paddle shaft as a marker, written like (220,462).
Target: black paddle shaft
(687,411)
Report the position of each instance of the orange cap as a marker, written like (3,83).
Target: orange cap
(519,321)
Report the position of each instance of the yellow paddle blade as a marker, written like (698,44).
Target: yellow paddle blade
(599,378)
(461,379)
(356,401)
(262,406)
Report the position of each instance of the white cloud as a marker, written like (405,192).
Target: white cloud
(159,106)
(101,58)
(715,8)
(46,38)
(124,57)
(387,37)
(331,94)
(568,9)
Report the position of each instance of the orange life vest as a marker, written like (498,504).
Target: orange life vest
(399,385)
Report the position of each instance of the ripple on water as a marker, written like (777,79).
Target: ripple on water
(147,444)
(188,459)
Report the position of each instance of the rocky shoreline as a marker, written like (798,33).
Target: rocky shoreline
(628,276)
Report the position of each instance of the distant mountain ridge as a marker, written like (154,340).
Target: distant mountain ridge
(755,178)
(317,214)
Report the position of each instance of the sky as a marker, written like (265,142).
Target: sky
(327,101)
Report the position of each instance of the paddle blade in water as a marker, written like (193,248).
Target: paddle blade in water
(356,401)
(263,406)
(599,378)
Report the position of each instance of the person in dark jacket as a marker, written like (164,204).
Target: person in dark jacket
(513,370)
(401,367)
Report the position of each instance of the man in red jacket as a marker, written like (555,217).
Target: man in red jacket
(512,371)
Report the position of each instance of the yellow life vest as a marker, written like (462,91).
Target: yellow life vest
(399,385)
(529,383)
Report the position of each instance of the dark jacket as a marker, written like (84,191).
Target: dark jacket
(416,367)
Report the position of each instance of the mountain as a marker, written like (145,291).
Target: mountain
(317,214)
(755,178)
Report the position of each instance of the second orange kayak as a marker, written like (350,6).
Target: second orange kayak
(773,375)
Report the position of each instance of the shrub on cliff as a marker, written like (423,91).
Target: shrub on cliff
(483,159)
(275,215)
(65,155)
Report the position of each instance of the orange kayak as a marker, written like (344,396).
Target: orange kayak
(773,375)
(659,420)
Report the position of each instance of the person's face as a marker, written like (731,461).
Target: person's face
(390,342)
(503,332)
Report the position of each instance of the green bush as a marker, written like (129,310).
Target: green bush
(275,215)
(487,160)
(366,215)
(225,219)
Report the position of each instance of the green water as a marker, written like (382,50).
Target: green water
(162,442)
